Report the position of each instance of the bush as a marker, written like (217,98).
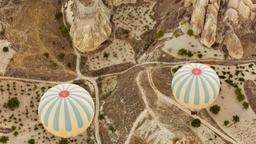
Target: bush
(4,139)
(245,105)
(12,103)
(215,109)
(177,33)
(61,56)
(160,34)
(190,32)
(31,141)
(240,97)
(196,123)
(199,55)
(63,29)
(46,55)
(15,133)
(236,118)
(63,141)
(226,122)
(184,52)
(5,49)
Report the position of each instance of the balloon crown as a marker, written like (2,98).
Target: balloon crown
(64,93)
(196,71)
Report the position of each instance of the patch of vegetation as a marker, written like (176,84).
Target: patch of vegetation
(240,97)
(63,141)
(177,33)
(61,56)
(184,52)
(160,34)
(64,30)
(5,49)
(199,55)
(226,122)
(196,123)
(12,103)
(46,55)
(31,141)
(105,55)
(236,118)
(15,133)
(215,109)
(190,32)
(245,105)
(4,139)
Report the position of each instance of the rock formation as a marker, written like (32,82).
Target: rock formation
(208,35)
(234,46)
(119,2)
(198,16)
(90,26)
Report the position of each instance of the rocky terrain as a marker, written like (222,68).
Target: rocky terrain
(125,52)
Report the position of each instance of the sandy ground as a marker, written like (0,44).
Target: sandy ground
(5,57)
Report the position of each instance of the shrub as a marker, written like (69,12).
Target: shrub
(196,123)
(236,118)
(46,55)
(177,33)
(200,55)
(190,32)
(4,139)
(63,141)
(31,141)
(184,52)
(15,133)
(240,96)
(160,34)
(226,122)
(12,103)
(215,109)
(245,105)
(63,29)
(105,55)
(5,49)
(61,56)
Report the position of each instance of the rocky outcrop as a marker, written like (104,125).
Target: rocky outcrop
(119,2)
(234,46)
(90,25)
(244,8)
(208,35)
(231,16)
(198,16)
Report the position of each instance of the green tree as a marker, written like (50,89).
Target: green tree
(5,49)
(46,55)
(226,122)
(236,118)
(196,123)
(190,32)
(61,56)
(12,103)
(4,139)
(31,141)
(160,34)
(63,30)
(245,105)
(215,109)
(63,141)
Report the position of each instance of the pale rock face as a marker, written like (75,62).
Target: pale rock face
(231,15)
(234,46)
(198,16)
(119,2)
(90,26)
(233,3)
(208,35)
(244,10)
(187,3)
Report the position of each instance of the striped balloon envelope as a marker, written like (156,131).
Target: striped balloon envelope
(66,110)
(195,86)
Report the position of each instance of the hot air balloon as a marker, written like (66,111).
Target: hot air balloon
(195,86)
(66,110)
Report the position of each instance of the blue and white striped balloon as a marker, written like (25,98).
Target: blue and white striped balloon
(195,86)
(66,110)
